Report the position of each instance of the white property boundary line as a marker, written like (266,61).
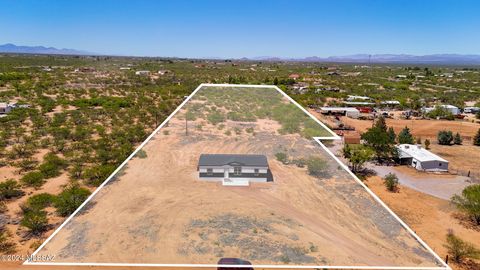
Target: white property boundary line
(317,139)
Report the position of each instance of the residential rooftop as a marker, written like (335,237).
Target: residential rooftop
(232,159)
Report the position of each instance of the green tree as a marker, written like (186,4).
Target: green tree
(469,202)
(427,144)
(357,156)
(457,139)
(476,138)
(445,137)
(378,139)
(391,182)
(391,134)
(70,199)
(460,249)
(405,137)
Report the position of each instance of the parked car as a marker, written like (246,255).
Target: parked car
(234,261)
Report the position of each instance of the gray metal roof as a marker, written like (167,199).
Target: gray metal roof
(232,159)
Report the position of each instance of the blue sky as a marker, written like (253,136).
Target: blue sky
(244,28)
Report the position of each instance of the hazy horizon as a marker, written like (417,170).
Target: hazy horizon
(236,29)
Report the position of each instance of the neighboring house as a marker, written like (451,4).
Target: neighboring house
(390,102)
(352,98)
(347,111)
(142,72)
(163,72)
(421,159)
(233,169)
(358,103)
(5,107)
(452,109)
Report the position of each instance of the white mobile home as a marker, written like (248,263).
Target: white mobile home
(421,159)
(234,169)
(347,111)
(452,109)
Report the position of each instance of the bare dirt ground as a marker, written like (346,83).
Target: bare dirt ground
(429,217)
(421,128)
(158,211)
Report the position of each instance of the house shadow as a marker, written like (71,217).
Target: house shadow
(269,176)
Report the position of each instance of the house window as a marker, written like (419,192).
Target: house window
(237,170)
(256,172)
(440,164)
(209,171)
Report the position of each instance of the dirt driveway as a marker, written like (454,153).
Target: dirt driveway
(442,186)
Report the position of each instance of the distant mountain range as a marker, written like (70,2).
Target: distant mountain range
(12,48)
(461,59)
(439,59)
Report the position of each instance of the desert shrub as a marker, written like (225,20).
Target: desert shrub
(469,202)
(237,130)
(316,166)
(215,117)
(96,175)
(3,207)
(10,189)
(445,137)
(141,154)
(460,249)
(27,164)
(6,246)
(282,157)
(40,201)
(52,165)
(300,162)
(70,199)
(228,133)
(33,179)
(35,220)
(391,182)
(249,130)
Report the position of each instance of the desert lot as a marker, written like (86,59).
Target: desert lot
(156,210)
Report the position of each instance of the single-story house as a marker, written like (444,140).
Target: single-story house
(5,107)
(421,159)
(347,111)
(390,102)
(358,103)
(142,72)
(233,169)
(452,109)
(351,98)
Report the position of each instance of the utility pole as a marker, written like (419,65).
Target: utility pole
(186,126)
